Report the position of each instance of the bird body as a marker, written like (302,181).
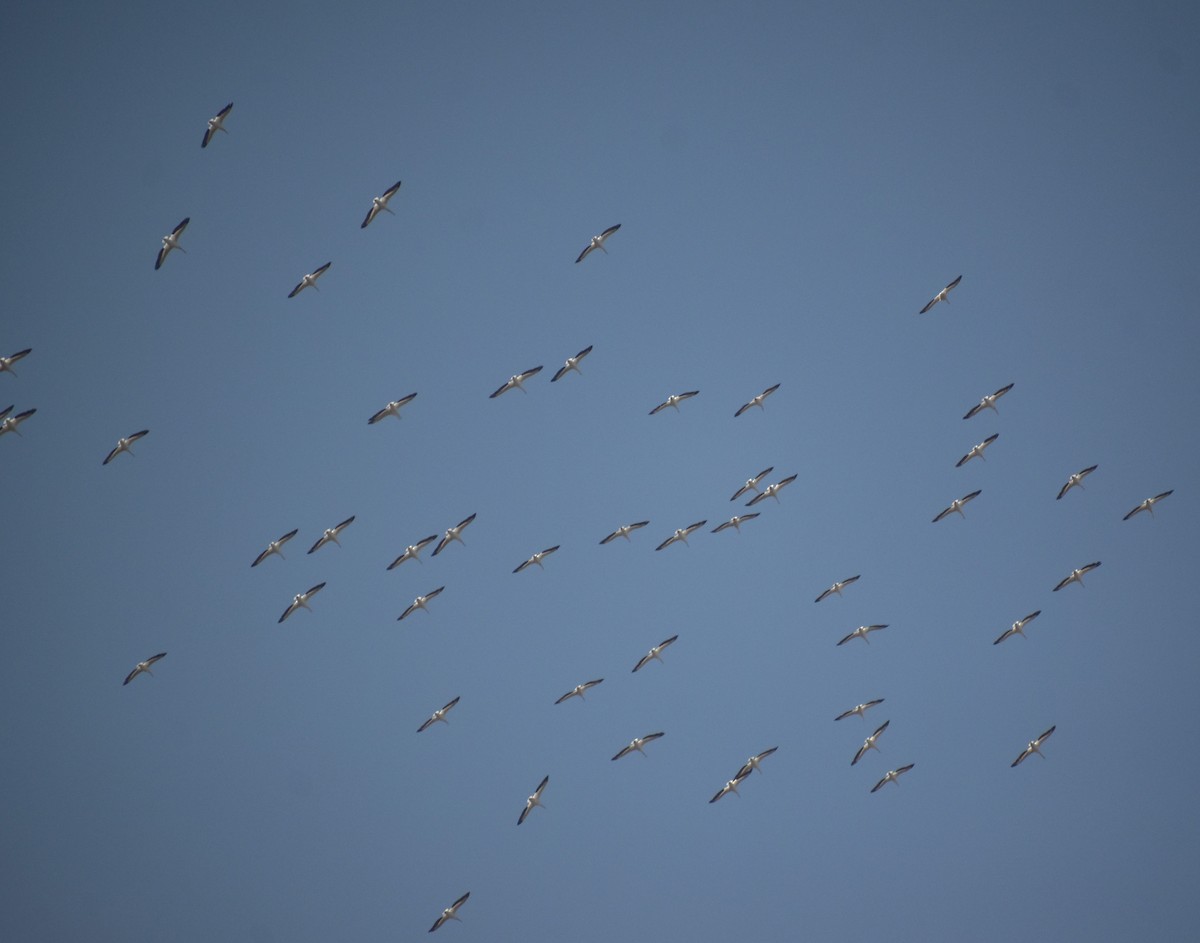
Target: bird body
(534,800)
(331,535)
(869,743)
(988,402)
(597,242)
(861,632)
(454,533)
(1076,480)
(300,601)
(752,483)
(680,534)
(420,603)
(860,709)
(730,786)
(624,531)
(943,295)
(754,763)
(309,280)
(413,551)
(391,409)
(536,559)
(275,546)
(1033,747)
(956,506)
(757,400)
(451,912)
(143,667)
(977,450)
(892,776)
(516,381)
(673,401)
(571,364)
(735,522)
(7,362)
(837,587)
(771,491)
(654,653)
(578,690)
(171,241)
(123,445)
(379,204)
(1148,504)
(216,123)
(1018,627)
(11,423)
(1076,576)
(637,743)
(438,716)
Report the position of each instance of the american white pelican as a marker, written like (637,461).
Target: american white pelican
(730,786)
(331,534)
(757,400)
(171,241)
(534,800)
(216,123)
(977,450)
(752,483)
(300,601)
(637,743)
(861,632)
(1018,627)
(9,423)
(536,559)
(7,362)
(454,533)
(735,522)
(516,381)
(892,776)
(435,717)
(673,401)
(956,506)
(451,912)
(1076,480)
(123,445)
(624,531)
(1148,504)
(379,204)
(838,587)
(1076,576)
(988,402)
(144,666)
(597,243)
(754,763)
(653,654)
(275,547)
(943,295)
(413,551)
(771,491)
(860,710)
(420,603)
(681,533)
(391,409)
(309,280)
(578,690)
(1034,747)
(869,743)
(571,364)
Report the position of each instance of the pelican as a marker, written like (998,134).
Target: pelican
(735,522)
(673,401)
(413,551)
(1076,480)
(771,491)
(988,402)
(7,362)
(637,743)
(534,800)
(624,531)
(171,241)
(837,587)
(454,533)
(123,445)
(943,295)
(653,654)
(578,690)
(451,912)
(309,280)
(9,423)
(892,776)
(977,450)
(757,401)
(391,409)
(300,601)
(869,743)
(571,364)
(752,483)
(438,715)
(216,123)
(729,787)
(754,763)
(275,546)
(331,534)
(144,666)
(536,559)
(956,506)
(861,632)
(516,381)
(1018,627)
(1148,504)
(681,533)
(419,603)
(597,243)
(380,204)
(1076,576)
(1034,747)
(860,710)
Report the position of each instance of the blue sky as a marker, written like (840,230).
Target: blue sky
(793,184)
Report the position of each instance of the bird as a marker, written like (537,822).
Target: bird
(309,280)
(861,632)
(654,653)
(413,551)
(637,743)
(771,491)
(977,450)
(673,401)
(391,409)
(536,559)
(300,601)
(680,534)
(216,123)
(379,204)
(123,445)
(438,715)
(837,587)
(735,522)
(752,483)
(860,710)
(516,381)
(730,786)
(534,800)
(1076,576)
(10,423)
(578,690)
(597,243)
(1033,747)
(1148,504)
(451,912)
(943,295)
(171,241)
(7,362)
(754,763)
(988,402)
(892,776)
(757,400)
(572,363)
(869,743)
(143,666)
(454,533)
(624,531)
(1076,480)
(275,547)
(1018,627)
(419,603)
(956,506)
(331,534)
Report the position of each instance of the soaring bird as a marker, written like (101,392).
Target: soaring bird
(730,786)
(7,362)
(420,603)
(860,710)
(391,409)
(988,402)
(956,506)
(454,533)
(754,763)
(597,243)
(331,534)
(536,559)
(1148,504)
(10,423)
(309,280)
(977,450)
(216,123)
(143,666)
(578,690)
(516,381)
(1076,480)
(861,632)
(300,601)
(624,531)
(275,546)
(379,204)
(637,743)
(771,491)
(735,522)
(171,241)
(681,533)
(1076,576)
(892,776)
(1033,747)
(837,587)
(654,653)
(673,401)
(571,364)
(123,445)
(435,717)
(943,295)
(1018,627)
(451,912)
(869,743)
(752,483)
(413,551)
(534,800)
(757,400)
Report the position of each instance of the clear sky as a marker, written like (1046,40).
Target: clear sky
(793,183)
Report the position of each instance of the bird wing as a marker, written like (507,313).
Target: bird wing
(319,544)
(858,756)
(660,406)
(623,751)
(848,637)
(609,231)
(111,455)
(721,527)
(1042,737)
(559,373)
(162,254)
(527,563)
(288,611)
(666,543)
(742,409)
(642,661)
(942,514)
(1004,635)
(569,694)
(371,214)
(1024,753)
(651,736)
(524,812)
(583,255)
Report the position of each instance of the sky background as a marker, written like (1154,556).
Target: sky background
(793,183)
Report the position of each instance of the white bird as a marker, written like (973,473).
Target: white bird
(379,204)
(1018,627)
(838,587)
(300,601)
(892,776)
(771,491)
(869,743)
(654,653)
(1034,747)
(977,450)
(861,632)
(673,401)
(730,786)
(1076,480)
(451,912)
(624,531)
(597,243)
(420,603)
(752,483)
(1076,576)
(988,402)
(391,409)
(123,445)
(216,123)
(956,506)
(144,666)
(10,423)
(754,763)
(516,381)
(681,533)
(275,547)
(534,800)
(536,559)
(943,295)
(171,241)
(7,362)
(735,522)
(331,534)
(413,551)
(572,363)
(309,280)
(860,710)
(757,401)
(454,533)
(435,717)
(1148,504)
(637,743)
(578,690)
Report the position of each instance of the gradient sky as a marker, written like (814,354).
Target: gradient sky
(793,182)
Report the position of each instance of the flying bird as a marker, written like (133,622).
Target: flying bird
(757,401)
(1148,504)
(275,546)
(1018,627)
(309,280)
(571,364)
(861,632)
(379,204)
(1076,480)
(752,483)
(534,800)
(730,786)
(943,295)
(624,531)
(637,743)
(451,912)
(681,533)
(331,534)
(300,601)
(597,243)
(735,522)
(419,603)
(7,362)
(10,423)
(123,445)
(956,506)
(391,409)
(435,717)
(413,551)
(143,666)
(892,776)
(673,401)
(860,710)
(654,653)
(216,123)
(837,587)
(771,491)
(1034,747)
(536,559)
(516,381)
(869,743)
(454,533)
(171,241)
(977,450)
(754,763)
(1076,576)
(578,690)
(988,402)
